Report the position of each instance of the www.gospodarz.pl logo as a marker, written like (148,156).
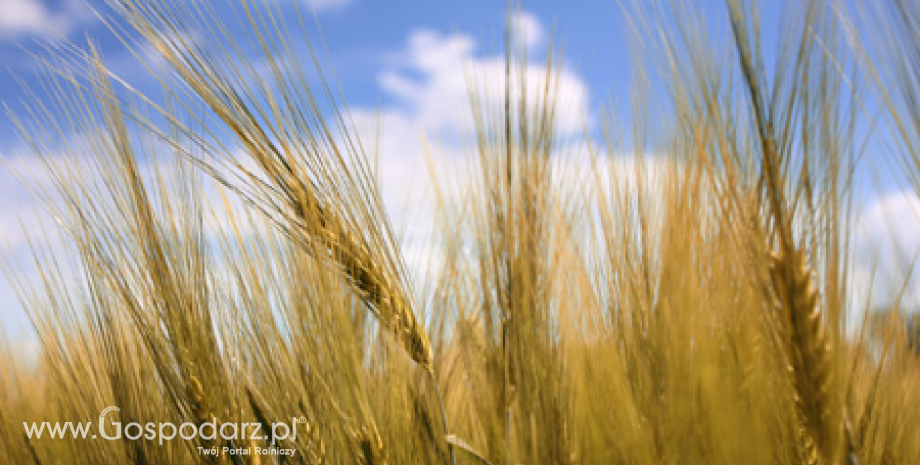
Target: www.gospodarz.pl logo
(160,432)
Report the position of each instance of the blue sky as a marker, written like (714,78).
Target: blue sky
(360,36)
(399,62)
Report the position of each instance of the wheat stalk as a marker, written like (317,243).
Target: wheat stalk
(800,320)
(315,452)
(32,452)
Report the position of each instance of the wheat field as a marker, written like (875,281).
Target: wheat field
(230,259)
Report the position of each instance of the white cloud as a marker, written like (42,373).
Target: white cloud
(431,80)
(528,32)
(887,237)
(20,211)
(22,15)
(893,221)
(33,17)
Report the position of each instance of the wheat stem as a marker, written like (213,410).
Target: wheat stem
(437,391)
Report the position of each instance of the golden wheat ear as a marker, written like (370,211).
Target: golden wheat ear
(808,352)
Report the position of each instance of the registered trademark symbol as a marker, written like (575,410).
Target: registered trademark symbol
(301,420)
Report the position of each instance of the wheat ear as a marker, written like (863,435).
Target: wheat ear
(201,411)
(799,316)
(381,295)
(313,179)
(808,350)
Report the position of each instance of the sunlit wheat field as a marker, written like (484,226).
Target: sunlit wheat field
(344,231)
